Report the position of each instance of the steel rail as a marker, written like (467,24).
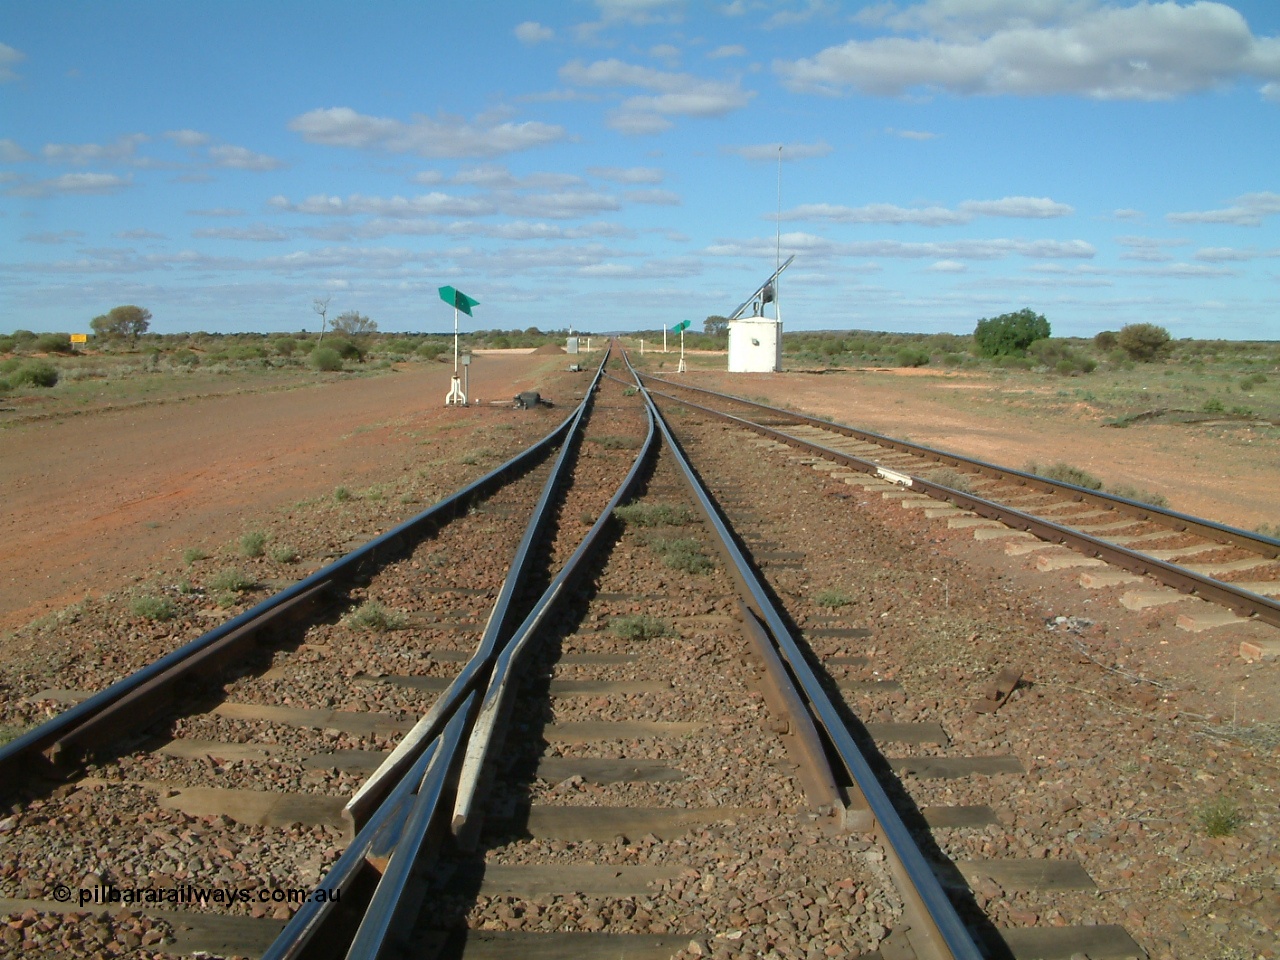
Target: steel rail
(1256,542)
(408,821)
(498,692)
(397,900)
(315,920)
(936,929)
(1243,602)
(57,738)
(477,669)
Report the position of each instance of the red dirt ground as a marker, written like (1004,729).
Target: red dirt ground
(93,500)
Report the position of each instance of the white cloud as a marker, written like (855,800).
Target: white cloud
(1127,213)
(11,152)
(140,233)
(1247,211)
(425,205)
(531,32)
(447,137)
(911,134)
(790,151)
(627,174)
(258,234)
(1147,51)
(191,139)
(1149,249)
(638,124)
(9,57)
(666,52)
(497,177)
(728,50)
(673,94)
(811,245)
(123,150)
(657,198)
(639,11)
(948,266)
(877,213)
(1230,254)
(242,158)
(72,183)
(807,11)
(1035,208)
(51,237)
(565,205)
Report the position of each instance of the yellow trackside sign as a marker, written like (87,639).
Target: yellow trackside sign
(79,338)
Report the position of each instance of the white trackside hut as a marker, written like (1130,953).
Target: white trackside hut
(755,345)
(755,341)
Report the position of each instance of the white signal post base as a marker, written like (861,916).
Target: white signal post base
(681,369)
(456,397)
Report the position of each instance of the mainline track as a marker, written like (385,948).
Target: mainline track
(620,729)
(1099,525)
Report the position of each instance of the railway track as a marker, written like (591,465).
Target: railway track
(610,724)
(1234,568)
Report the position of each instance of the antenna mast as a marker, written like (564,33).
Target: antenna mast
(777,260)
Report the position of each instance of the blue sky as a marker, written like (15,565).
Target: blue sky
(614,163)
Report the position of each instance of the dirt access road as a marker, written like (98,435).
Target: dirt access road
(92,500)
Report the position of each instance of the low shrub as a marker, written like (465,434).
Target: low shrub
(53,343)
(253,544)
(1219,817)
(192,554)
(341,494)
(681,553)
(832,598)
(374,617)
(284,346)
(1065,473)
(429,351)
(639,627)
(654,514)
(1140,495)
(283,553)
(950,477)
(33,373)
(344,348)
(911,357)
(230,580)
(153,608)
(325,359)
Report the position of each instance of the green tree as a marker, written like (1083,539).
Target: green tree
(1009,334)
(715,325)
(125,321)
(353,324)
(1143,341)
